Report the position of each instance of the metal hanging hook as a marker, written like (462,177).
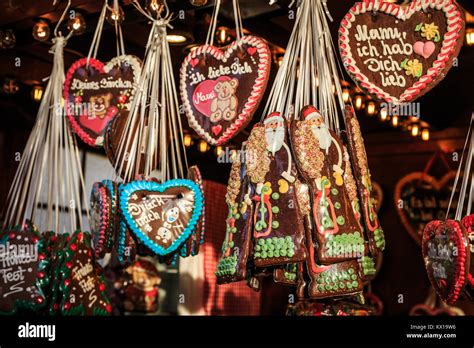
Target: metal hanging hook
(61,19)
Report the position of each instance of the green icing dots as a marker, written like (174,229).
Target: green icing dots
(334,191)
(227,266)
(290,276)
(345,244)
(337,205)
(275,195)
(274,247)
(275,209)
(336,280)
(340,220)
(275,224)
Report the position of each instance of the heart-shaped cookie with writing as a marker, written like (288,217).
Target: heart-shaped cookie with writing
(162,216)
(23,269)
(221,89)
(446,254)
(420,198)
(96,92)
(398,53)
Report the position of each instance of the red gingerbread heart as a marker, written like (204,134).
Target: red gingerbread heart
(379,46)
(95,93)
(221,89)
(445,248)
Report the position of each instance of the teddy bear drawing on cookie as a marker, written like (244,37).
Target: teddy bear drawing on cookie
(224,106)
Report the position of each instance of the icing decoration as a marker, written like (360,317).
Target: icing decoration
(161,216)
(232,265)
(95,93)
(24,270)
(420,198)
(126,245)
(221,89)
(58,244)
(101,215)
(286,274)
(82,284)
(446,254)
(364,183)
(378,39)
(277,216)
(323,162)
(197,237)
(114,220)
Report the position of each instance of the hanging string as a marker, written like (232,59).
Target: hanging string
(48,185)
(154,144)
(98,33)
(467,175)
(215,13)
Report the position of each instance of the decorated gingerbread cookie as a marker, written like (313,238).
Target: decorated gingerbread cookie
(278,226)
(324,162)
(446,252)
(82,283)
(286,274)
(221,89)
(23,269)
(95,93)
(358,158)
(398,53)
(126,246)
(161,216)
(114,220)
(57,253)
(232,265)
(197,237)
(101,216)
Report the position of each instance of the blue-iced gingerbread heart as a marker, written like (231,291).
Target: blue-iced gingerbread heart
(162,216)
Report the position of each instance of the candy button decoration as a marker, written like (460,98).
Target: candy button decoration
(162,216)
(398,53)
(96,92)
(221,89)
(446,254)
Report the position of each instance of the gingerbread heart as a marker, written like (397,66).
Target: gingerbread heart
(23,269)
(162,216)
(398,53)
(95,93)
(420,198)
(221,89)
(446,254)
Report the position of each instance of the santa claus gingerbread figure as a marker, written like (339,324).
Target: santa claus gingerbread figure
(324,162)
(278,228)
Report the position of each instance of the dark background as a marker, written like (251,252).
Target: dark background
(392,153)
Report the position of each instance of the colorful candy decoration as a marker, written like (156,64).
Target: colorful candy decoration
(368,206)
(161,216)
(222,88)
(24,270)
(320,156)
(278,227)
(398,53)
(82,284)
(232,265)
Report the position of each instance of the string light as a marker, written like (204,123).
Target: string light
(371,108)
(425,134)
(395,121)
(176,38)
(76,23)
(154,6)
(219,151)
(41,30)
(187,140)
(37,92)
(8,39)
(113,16)
(346,95)
(470,36)
(358,101)
(383,114)
(222,36)
(203,147)
(415,130)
